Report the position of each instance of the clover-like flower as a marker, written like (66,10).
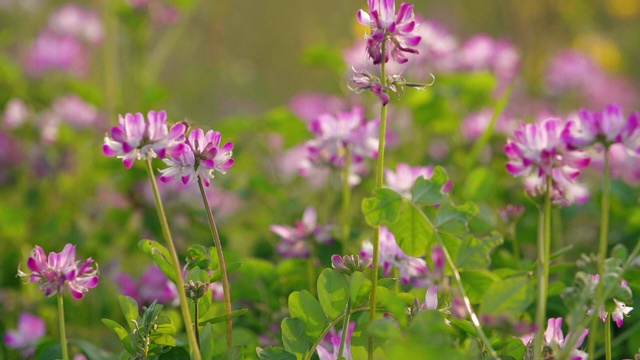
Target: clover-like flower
(385,24)
(329,348)
(608,127)
(349,264)
(554,340)
(30,330)
(61,270)
(200,156)
(295,241)
(134,138)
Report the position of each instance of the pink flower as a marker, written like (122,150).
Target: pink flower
(385,25)
(555,339)
(78,21)
(329,348)
(608,127)
(401,181)
(53,51)
(431,299)
(61,270)
(295,241)
(134,138)
(309,106)
(30,329)
(76,111)
(152,286)
(200,156)
(16,113)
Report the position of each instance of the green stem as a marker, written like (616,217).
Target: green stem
(544,245)
(326,330)
(63,332)
(345,330)
(346,200)
(602,247)
(311,274)
(607,337)
(223,265)
(379,181)
(196,326)
(166,232)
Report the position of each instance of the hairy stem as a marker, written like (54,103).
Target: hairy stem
(63,332)
(544,245)
(166,232)
(223,265)
(346,200)
(379,181)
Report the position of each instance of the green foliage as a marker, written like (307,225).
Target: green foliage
(511,295)
(429,192)
(160,256)
(333,292)
(274,353)
(303,306)
(383,208)
(412,231)
(294,337)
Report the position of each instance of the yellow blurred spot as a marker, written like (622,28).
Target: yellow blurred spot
(604,51)
(623,8)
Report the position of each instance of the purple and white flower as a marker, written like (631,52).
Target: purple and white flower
(329,348)
(152,286)
(295,241)
(61,270)
(134,138)
(554,339)
(30,330)
(200,156)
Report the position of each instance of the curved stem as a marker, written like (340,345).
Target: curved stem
(346,200)
(223,265)
(379,181)
(166,232)
(544,245)
(63,332)
(345,329)
(602,245)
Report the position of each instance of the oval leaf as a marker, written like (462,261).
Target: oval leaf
(333,292)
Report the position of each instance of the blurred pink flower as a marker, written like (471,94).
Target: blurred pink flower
(294,241)
(308,106)
(79,22)
(16,113)
(555,339)
(74,110)
(329,348)
(30,330)
(53,51)
(152,286)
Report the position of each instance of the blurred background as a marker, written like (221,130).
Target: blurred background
(249,69)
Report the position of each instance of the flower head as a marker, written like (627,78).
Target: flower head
(137,138)
(554,340)
(349,264)
(329,348)
(30,329)
(61,270)
(385,24)
(608,127)
(152,286)
(295,240)
(200,156)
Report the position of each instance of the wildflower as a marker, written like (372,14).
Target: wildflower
(134,138)
(385,25)
(30,330)
(607,127)
(15,113)
(411,269)
(431,299)
(53,51)
(329,348)
(308,106)
(75,111)
(349,263)
(61,270)
(152,286)
(365,81)
(402,180)
(295,241)
(200,156)
(621,309)
(77,21)
(554,340)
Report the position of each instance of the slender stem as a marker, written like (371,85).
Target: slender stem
(379,181)
(346,200)
(196,325)
(544,245)
(326,330)
(166,232)
(63,332)
(607,337)
(602,248)
(311,274)
(223,265)
(345,330)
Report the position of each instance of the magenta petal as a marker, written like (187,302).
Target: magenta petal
(117,134)
(108,151)
(128,162)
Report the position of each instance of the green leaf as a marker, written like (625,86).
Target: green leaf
(333,292)
(359,288)
(303,306)
(294,337)
(119,330)
(217,274)
(429,192)
(390,302)
(235,353)
(92,351)
(455,219)
(388,283)
(161,256)
(222,318)
(476,283)
(197,256)
(129,308)
(385,329)
(274,353)
(165,325)
(382,209)
(412,231)
(476,253)
(510,295)
(206,342)
(514,349)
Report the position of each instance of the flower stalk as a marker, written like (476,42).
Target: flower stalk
(223,265)
(63,332)
(346,200)
(345,329)
(166,232)
(544,245)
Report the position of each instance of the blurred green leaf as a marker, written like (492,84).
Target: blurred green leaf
(129,308)
(412,231)
(197,256)
(479,184)
(333,292)
(476,282)
(223,318)
(207,344)
(476,252)
(303,306)
(455,219)
(512,295)
(382,209)
(274,353)
(429,192)
(294,337)
(161,257)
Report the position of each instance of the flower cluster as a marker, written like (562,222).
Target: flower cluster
(25,338)
(61,270)
(134,138)
(554,340)
(200,156)
(621,310)
(338,135)
(412,269)
(349,264)
(607,127)
(329,348)
(385,24)
(296,241)
(152,286)
(537,152)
